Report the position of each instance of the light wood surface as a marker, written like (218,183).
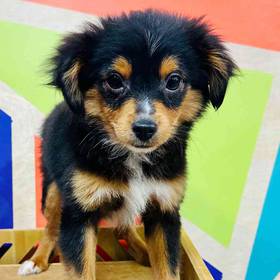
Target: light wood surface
(22,241)
(192,266)
(128,270)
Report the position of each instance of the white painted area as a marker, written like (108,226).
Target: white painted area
(43,16)
(26,122)
(209,248)
(248,57)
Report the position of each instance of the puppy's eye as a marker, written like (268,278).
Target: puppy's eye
(115,82)
(173,82)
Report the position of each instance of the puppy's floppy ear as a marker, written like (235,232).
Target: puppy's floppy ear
(68,62)
(220,67)
(216,63)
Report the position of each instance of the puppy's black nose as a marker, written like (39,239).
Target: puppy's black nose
(144,129)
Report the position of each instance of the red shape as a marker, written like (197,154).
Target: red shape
(55,259)
(30,253)
(103,254)
(124,244)
(248,22)
(104,224)
(40,219)
(138,221)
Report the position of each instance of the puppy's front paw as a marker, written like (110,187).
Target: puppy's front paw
(28,268)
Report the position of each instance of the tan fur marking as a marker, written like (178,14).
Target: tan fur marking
(191,105)
(121,120)
(89,255)
(95,107)
(71,78)
(168,65)
(218,62)
(93,103)
(176,195)
(166,120)
(91,190)
(122,66)
(159,260)
(116,122)
(53,214)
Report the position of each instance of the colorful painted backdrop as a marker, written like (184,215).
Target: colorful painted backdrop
(231,207)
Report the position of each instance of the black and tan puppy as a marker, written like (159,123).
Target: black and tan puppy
(115,149)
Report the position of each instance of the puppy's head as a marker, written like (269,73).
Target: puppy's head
(142,75)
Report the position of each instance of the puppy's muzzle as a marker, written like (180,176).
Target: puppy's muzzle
(144,129)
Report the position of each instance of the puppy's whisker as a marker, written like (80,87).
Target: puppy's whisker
(93,147)
(84,139)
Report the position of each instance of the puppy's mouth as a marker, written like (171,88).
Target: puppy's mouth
(141,148)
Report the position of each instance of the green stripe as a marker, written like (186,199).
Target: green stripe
(24,52)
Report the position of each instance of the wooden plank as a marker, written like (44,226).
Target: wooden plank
(108,242)
(128,270)
(193,267)
(22,240)
(9,256)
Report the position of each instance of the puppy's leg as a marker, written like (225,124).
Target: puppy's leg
(137,247)
(78,239)
(52,212)
(162,233)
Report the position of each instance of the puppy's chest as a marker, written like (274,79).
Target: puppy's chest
(123,202)
(139,192)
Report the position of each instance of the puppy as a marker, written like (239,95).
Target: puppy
(115,148)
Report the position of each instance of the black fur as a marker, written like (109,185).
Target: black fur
(72,230)
(73,141)
(170,224)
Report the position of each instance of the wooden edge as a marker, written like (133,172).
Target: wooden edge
(12,231)
(126,270)
(194,258)
(99,263)
(6,231)
(192,263)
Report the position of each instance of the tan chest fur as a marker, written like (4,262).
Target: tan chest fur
(92,191)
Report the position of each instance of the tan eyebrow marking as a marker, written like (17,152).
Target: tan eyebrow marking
(168,65)
(122,66)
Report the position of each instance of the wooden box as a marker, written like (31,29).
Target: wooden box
(113,261)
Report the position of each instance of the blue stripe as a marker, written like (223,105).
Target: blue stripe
(4,249)
(265,258)
(216,274)
(6,188)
